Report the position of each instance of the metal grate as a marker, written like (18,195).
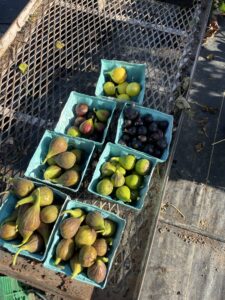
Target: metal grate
(142,31)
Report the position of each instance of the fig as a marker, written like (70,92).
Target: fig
(155,136)
(142,130)
(121,170)
(56,146)
(121,88)
(136,144)
(131,130)
(123,193)
(65,160)
(107,169)
(102,115)
(78,121)
(109,88)
(50,161)
(73,131)
(8,231)
(78,154)
(142,138)
(153,127)
(131,113)
(35,244)
(127,162)
(125,137)
(69,227)
(99,127)
(87,127)
(97,271)
(85,236)
(45,193)
(104,187)
(123,97)
(138,122)
(45,231)
(110,228)
(95,220)
(118,75)
(149,149)
(133,181)
(75,213)
(100,246)
(147,119)
(52,171)
(64,250)
(142,166)
(49,214)
(162,144)
(81,109)
(87,256)
(117,179)
(21,187)
(163,125)
(133,89)
(69,178)
(127,123)
(75,266)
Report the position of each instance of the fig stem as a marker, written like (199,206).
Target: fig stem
(57,261)
(15,256)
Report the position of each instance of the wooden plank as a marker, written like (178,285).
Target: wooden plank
(34,274)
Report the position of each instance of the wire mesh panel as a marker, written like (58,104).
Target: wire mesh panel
(141,31)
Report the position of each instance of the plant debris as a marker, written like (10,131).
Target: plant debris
(23,67)
(59,45)
(199,147)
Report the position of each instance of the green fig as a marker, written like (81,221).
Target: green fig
(120,169)
(110,228)
(35,244)
(133,181)
(118,75)
(104,187)
(8,231)
(102,115)
(46,197)
(69,227)
(64,250)
(127,162)
(123,193)
(78,153)
(45,231)
(21,187)
(107,169)
(95,220)
(75,213)
(85,236)
(117,179)
(97,271)
(52,171)
(51,161)
(73,131)
(99,127)
(49,214)
(101,247)
(87,256)
(69,178)
(142,166)
(87,127)
(56,146)
(65,160)
(75,266)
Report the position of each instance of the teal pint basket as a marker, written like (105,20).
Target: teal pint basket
(36,168)
(112,150)
(6,210)
(157,116)
(135,72)
(10,289)
(67,115)
(49,262)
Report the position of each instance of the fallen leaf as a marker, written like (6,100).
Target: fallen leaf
(23,68)
(199,147)
(211,30)
(182,103)
(59,45)
(210,109)
(210,57)
(186,83)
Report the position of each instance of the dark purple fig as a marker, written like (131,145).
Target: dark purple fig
(147,119)
(136,144)
(157,153)
(78,121)
(99,127)
(149,149)
(153,127)
(142,138)
(127,123)
(163,125)
(132,130)
(142,130)
(125,138)
(81,109)
(162,144)
(160,133)
(155,136)
(138,122)
(131,113)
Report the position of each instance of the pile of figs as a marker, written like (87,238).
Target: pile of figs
(85,241)
(118,87)
(122,178)
(143,133)
(89,123)
(33,217)
(63,163)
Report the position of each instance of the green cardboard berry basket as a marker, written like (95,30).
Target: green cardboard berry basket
(157,116)
(67,115)
(112,150)
(135,72)
(36,168)
(65,269)
(6,210)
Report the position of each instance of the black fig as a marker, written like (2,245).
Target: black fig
(163,125)
(131,113)
(162,144)
(153,127)
(131,130)
(127,123)
(142,130)
(125,138)
(149,149)
(136,144)
(138,122)
(148,119)
(142,138)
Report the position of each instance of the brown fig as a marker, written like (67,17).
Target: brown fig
(21,187)
(8,231)
(45,231)
(85,236)
(87,256)
(100,246)
(65,160)
(75,265)
(64,250)
(95,220)
(69,227)
(35,244)
(56,146)
(52,171)
(68,178)
(97,271)
(49,214)
(79,120)
(81,109)
(87,127)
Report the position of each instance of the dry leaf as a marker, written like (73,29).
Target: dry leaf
(210,109)
(23,68)
(199,147)
(182,103)
(59,45)
(212,30)
(186,83)
(210,57)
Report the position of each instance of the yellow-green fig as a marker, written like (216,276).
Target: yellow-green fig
(133,181)
(75,213)
(123,193)
(52,171)
(8,231)
(117,179)
(121,88)
(50,161)
(95,220)
(123,97)
(97,271)
(105,187)
(85,236)
(118,75)
(64,250)
(75,266)
(142,166)
(73,131)
(49,214)
(107,169)
(101,247)
(110,228)
(56,146)
(127,162)
(133,89)
(68,178)
(45,231)
(21,187)
(65,160)
(87,256)
(109,88)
